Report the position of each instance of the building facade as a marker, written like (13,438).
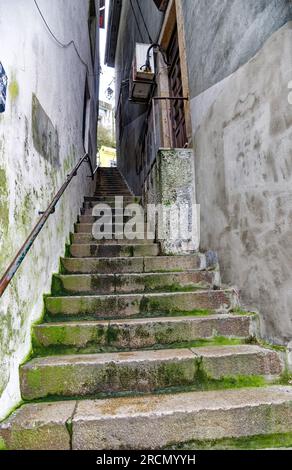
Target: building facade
(107,157)
(49,51)
(106,118)
(221,92)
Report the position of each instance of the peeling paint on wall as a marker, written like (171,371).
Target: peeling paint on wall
(45,135)
(3,88)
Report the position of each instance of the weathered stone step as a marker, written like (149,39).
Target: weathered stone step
(112,192)
(129,283)
(181,418)
(130,305)
(158,264)
(112,186)
(111,198)
(128,423)
(110,202)
(115,212)
(90,219)
(141,229)
(101,250)
(87,239)
(142,371)
(138,333)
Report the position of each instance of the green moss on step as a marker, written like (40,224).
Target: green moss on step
(68,251)
(2,444)
(235,382)
(169,271)
(112,334)
(174,288)
(69,427)
(204,383)
(260,342)
(275,347)
(285,378)
(269,441)
(240,311)
(200,342)
(107,340)
(189,313)
(57,286)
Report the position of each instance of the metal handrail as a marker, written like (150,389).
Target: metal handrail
(17,261)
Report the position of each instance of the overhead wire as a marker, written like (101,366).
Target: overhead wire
(136,21)
(61,44)
(144,22)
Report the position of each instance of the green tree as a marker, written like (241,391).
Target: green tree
(105,138)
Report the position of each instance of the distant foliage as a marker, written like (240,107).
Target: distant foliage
(105,138)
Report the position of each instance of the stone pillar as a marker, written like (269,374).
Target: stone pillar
(170,186)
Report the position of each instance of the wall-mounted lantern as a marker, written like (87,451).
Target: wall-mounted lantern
(143,74)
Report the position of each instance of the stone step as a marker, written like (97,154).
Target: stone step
(88,239)
(101,250)
(181,418)
(138,333)
(112,199)
(111,185)
(90,219)
(129,283)
(107,181)
(128,423)
(115,212)
(112,192)
(110,202)
(131,305)
(152,264)
(115,227)
(142,371)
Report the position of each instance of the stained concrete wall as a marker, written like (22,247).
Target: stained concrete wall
(40,142)
(222,35)
(133,115)
(243,159)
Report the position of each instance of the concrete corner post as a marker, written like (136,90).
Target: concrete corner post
(170,187)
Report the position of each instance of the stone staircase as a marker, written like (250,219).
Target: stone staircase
(143,351)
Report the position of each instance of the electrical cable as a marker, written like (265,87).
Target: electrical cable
(144,21)
(136,20)
(62,45)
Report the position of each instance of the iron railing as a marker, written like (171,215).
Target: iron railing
(17,261)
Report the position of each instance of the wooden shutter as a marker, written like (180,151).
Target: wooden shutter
(176,90)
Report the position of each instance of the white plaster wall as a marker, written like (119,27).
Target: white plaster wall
(35,64)
(243,166)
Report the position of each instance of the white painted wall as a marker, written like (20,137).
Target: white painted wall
(35,64)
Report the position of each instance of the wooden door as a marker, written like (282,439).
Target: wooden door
(178,121)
